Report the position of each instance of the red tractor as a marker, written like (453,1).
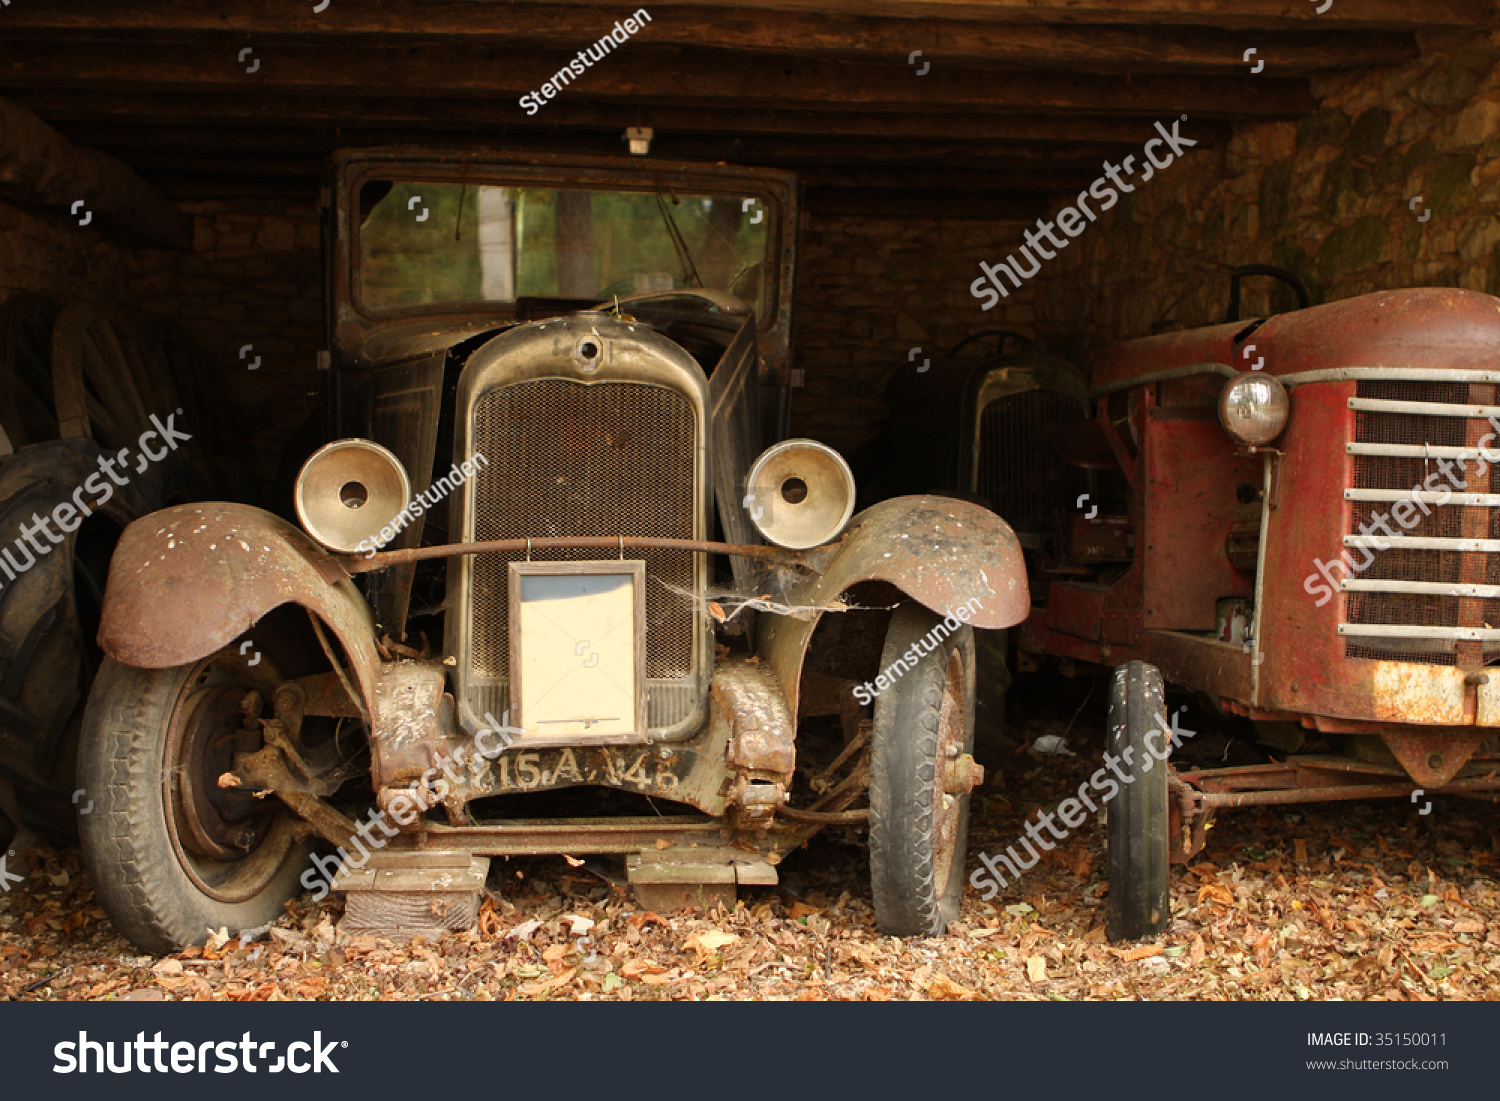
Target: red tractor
(1304,529)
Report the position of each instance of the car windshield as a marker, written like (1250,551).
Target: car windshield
(437,244)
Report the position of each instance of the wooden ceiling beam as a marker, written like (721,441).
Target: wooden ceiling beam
(127,140)
(1064,178)
(1233,14)
(1312,47)
(697,77)
(446,118)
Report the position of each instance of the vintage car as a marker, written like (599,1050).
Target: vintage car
(1310,539)
(557,540)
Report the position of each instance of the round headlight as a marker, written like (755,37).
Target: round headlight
(1254,408)
(800,494)
(348,492)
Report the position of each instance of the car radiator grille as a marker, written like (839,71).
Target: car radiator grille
(611,458)
(1026,492)
(1433,596)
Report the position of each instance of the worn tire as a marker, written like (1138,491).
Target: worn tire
(1137,831)
(140,877)
(917,881)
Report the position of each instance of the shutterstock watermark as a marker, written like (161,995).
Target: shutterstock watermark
(70,515)
(1408,513)
(184,1057)
(585,58)
(929,642)
(1071,222)
(990,878)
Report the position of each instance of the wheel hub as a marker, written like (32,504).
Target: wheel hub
(220,823)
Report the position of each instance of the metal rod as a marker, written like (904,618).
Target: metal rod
(356,563)
(826,817)
(1211,800)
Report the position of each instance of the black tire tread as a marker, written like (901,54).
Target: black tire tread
(136,876)
(1139,888)
(903,765)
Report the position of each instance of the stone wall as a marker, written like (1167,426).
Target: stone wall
(1330,197)
(869,290)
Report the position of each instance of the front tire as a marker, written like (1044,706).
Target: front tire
(173,856)
(1137,832)
(920,775)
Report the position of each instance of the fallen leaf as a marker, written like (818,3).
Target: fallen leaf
(716,611)
(1036,968)
(573,860)
(531,990)
(940,988)
(802,909)
(660,844)
(639,968)
(167,967)
(1215,892)
(706,944)
(1139,952)
(555,952)
(524,930)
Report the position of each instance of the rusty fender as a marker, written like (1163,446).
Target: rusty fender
(188,580)
(939,551)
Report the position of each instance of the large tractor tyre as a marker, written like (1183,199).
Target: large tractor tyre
(1137,832)
(921,775)
(173,855)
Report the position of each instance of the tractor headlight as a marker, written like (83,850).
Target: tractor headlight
(1254,408)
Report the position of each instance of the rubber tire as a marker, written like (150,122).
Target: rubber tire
(903,752)
(126,847)
(1137,831)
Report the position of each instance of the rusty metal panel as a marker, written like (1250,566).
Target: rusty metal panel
(405,402)
(735,425)
(939,551)
(188,580)
(1191,473)
(1206,664)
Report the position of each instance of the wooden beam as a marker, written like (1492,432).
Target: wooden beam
(126,141)
(1059,179)
(440,116)
(698,77)
(1233,14)
(39,165)
(1314,46)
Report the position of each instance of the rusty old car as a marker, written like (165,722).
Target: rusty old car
(561,586)
(1306,533)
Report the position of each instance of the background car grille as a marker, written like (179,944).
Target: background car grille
(568,458)
(1435,591)
(1012,475)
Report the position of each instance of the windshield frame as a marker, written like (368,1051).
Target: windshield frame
(579,178)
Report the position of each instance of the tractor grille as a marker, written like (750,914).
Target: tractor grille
(611,458)
(1431,596)
(1011,471)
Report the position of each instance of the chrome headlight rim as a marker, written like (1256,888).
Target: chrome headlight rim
(1254,408)
(313,501)
(833,490)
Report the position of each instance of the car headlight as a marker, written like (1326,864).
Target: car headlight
(1254,408)
(800,494)
(349,493)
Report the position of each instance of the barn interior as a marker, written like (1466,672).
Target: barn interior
(163,160)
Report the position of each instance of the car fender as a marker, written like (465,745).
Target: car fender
(187,581)
(941,552)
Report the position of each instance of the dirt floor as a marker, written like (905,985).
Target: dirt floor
(1354,901)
